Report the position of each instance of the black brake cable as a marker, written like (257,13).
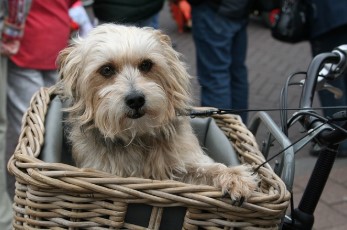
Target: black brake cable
(215,111)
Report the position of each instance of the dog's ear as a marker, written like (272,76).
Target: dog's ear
(62,58)
(69,63)
(180,78)
(165,39)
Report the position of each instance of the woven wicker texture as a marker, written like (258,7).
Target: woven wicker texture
(61,196)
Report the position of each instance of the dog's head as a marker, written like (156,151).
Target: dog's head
(124,79)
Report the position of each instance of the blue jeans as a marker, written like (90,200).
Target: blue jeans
(221,46)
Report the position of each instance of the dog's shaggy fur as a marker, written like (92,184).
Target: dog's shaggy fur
(128,88)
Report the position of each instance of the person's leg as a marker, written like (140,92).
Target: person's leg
(213,48)
(6,206)
(22,84)
(221,46)
(239,80)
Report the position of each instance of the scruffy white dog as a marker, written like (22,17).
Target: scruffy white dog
(128,88)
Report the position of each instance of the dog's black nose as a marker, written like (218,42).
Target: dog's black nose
(135,100)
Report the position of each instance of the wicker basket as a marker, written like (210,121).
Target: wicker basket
(61,196)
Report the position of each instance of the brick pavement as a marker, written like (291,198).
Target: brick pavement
(269,63)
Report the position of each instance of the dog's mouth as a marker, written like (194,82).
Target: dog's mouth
(135,114)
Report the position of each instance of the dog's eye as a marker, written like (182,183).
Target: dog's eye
(107,71)
(145,65)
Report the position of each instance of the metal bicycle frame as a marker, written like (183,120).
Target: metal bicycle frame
(302,217)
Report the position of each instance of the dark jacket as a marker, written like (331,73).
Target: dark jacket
(327,15)
(126,11)
(232,9)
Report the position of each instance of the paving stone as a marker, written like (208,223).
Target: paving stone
(341,207)
(334,193)
(341,227)
(326,217)
(339,175)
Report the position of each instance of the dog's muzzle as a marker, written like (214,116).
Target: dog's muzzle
(135,101)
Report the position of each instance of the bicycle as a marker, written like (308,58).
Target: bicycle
(323,68)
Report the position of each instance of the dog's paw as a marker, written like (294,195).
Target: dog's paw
(239,182)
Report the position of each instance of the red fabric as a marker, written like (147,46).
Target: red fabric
(74,25)
(46,33)
(180,11)
(14,7)
(273,15)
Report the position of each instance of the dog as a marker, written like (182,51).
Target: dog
(129,92)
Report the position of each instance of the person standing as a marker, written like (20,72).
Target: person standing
(12,19)
(328,30)
(220,35)
(46,33)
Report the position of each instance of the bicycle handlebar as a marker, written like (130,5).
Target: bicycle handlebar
(329,65)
